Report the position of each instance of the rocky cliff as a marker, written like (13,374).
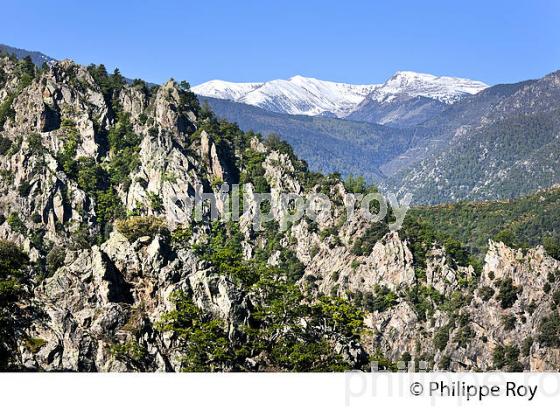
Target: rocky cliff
(110,266)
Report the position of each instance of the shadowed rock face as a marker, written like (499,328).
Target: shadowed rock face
(110,288)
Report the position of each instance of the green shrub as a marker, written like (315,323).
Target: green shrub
(138,226)
(55,259)
(108,206)
(66,157)
(34,344)
(456,301)
(532,307)
(441,337)
(16,223)
(507,237)
(552,246)
(25,72)
(182,235)
(526,346)
(549,331)
(420,236)
(457,253)
(374,233)
(445,362)
(12,260)
(13,263)
(486,293)
(156,203)
(358,185)
(35,142)
(406,357)
(124,147)
(381,300)
(556,298)
(464,336)
(509,322)
(291,265)
(225,253)
(507,358)
(5,145)
(254,171)
(339,316)
(91,176)
(507,293)
(6,110)
(24,188)
(82,238)
(130,351)
(422,299)
(205,343)
(305,356)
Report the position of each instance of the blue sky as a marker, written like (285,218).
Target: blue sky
(351,41)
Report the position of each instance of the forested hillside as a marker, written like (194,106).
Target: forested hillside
(524,222)
(327,144)
(499,144)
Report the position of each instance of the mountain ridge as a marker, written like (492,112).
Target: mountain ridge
(37,57)
(498,144)
(309,96)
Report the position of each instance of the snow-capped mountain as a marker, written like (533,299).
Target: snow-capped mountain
(445,89)
(408,98)
(297,95)
(310,96)
(225,90)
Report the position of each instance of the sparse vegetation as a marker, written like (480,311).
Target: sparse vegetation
(507,358)
(486,293)
(136,227)
(441,337)
(549,331)
(13,275)
(507,293)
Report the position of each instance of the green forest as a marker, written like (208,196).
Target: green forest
(524,222)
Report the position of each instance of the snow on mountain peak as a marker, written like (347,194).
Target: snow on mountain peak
(310,96)
(296,95)
(444,89)
(224,89)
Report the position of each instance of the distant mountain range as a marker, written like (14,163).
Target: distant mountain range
(442,144)
(373,103)
(443,139)
(297,95)
(498,144)
(37,57)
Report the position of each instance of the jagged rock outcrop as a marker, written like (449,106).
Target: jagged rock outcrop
(389,264)
(441,276)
